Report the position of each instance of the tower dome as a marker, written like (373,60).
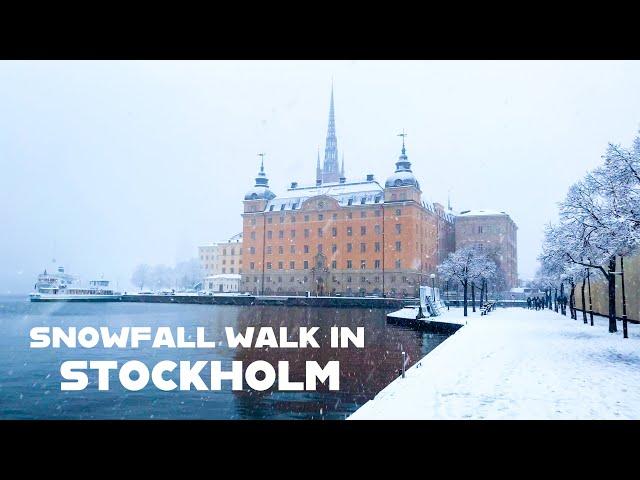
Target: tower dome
(260,190)
(403,176)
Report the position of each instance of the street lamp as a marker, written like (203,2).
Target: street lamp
(433,286)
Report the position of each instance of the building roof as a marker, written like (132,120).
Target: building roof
(224,276)
(480,213)
(364,192)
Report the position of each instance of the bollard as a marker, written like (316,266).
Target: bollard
(404,355)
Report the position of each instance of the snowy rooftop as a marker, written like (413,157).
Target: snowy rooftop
(477,213)
(516,363)
(349,193)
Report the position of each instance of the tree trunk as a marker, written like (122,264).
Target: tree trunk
(555,299)
(464,295)
(473,297)
(572,301)
(584,303)
(590,304)
(563,309)
(613,327)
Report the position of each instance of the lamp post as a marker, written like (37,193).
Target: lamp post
(433,286)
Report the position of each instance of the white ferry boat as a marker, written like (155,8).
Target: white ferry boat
(62,287)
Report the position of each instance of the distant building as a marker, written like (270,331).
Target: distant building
(496,234)
(223,283)
(222,257)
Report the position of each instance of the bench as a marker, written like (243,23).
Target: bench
(487,307)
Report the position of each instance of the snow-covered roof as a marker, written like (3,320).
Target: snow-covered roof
(352,193)
(479,213)
(224,276)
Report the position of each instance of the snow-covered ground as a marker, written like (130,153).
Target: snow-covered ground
(519,364)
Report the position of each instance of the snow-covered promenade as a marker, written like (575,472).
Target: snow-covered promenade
(520,364)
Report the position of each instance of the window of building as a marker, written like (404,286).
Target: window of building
(480,229)
(363,213)
(270,220)
(377,200)
(394,196)
(398,264)
(280,265)
(305,265)
(281,234)
(253,235)
(363,264)
(335,216)
(363,247)
(253,221)
(349,247)
(376,246)
(293,234)
(224,251)
(363,230)
(291,279)
(349,264)
(252,265)
(377,229)
(334,264)
(306,218)
(252,250)
(231,270)
(319,248)
(319,232)
(399,246)
(306,249)
(350,202)
(279,279)
(224,262)
(306,233)
(398,228)
(292,249)
(268,265)
(349,279)
(398,212)
(376,264)
(293,218)
(334,248)
(349,231)
(224,270)
(292,265)
(334,232)
(280,249)
(269,236)
(268,251)
(320,216)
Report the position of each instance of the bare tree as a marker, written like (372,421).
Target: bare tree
(140,275)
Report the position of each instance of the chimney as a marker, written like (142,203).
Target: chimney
(294,184)
(343,179)
(318,182)
(369,177)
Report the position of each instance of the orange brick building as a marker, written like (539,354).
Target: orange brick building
(347,238)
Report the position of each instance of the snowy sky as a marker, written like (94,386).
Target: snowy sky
(105,165)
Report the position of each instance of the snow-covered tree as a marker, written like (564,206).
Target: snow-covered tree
(599,220)
(467,266)
(140,276)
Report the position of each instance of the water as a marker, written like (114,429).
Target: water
(30,378)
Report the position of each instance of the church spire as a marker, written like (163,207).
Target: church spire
(318,169)
(342,168)
(330,168)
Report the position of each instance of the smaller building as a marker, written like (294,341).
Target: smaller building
(222,257)
(223,283)
(494,233)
